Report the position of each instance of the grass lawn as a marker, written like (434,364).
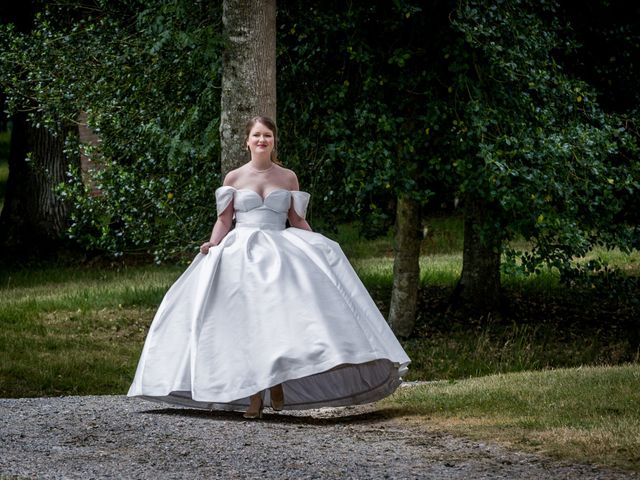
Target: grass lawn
(73,331)
(589,414)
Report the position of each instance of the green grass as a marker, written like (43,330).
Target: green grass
(584,414)
(85,287)
(472,351)
(544,326)
(80,330)
(75,330)
(437,269)
(442,236)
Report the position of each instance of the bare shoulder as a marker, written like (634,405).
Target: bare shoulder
(232,177)
(290,178)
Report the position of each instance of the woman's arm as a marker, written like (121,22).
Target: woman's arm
(296,220)
(223,223)
(220,229)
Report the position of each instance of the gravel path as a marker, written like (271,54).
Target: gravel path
(117,437)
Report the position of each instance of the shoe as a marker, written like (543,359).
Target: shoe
(255,407)
(277,397)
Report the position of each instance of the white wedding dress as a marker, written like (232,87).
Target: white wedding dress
(268,305)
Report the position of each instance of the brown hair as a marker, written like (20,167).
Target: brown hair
(271,125)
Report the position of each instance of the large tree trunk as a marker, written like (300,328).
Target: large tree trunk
(406,267)
(34,216)
(249,73)
(479,287)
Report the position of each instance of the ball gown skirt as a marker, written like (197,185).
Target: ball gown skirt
(268,305)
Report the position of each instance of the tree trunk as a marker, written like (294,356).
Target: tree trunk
(88,166)
(34,217)
(479,286)
(249,73)
(406,267)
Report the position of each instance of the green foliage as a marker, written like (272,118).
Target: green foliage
(147,75)
(532,141)
(359,83)
(440,101)
(608,37)
(445,100)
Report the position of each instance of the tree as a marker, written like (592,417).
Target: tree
(367,101)
(406,267)
(479,286)
(249,72)
(465,100)
(379,117)
(534,152)
(148,77)
(35,216)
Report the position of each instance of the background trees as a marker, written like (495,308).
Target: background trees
(536,154)
(148,77)
(375,104)
(34,217)
(468,103)
(388,111)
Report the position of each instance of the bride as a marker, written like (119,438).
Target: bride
(267,315)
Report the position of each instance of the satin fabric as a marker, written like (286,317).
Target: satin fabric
(268,305)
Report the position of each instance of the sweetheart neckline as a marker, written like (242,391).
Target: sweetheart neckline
(266,196)
(263,199)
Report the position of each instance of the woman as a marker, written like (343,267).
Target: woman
(267,315)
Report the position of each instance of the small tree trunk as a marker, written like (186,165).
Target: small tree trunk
(34,217)
(406,267)
(88,165)
(249,73)
(479,285)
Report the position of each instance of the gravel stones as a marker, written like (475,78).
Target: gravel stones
(117,437)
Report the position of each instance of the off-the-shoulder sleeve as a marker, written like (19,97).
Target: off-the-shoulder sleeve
(300,202)
(224,195)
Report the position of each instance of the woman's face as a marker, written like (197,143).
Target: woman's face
(260,140)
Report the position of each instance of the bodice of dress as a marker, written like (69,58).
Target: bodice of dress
(270,212)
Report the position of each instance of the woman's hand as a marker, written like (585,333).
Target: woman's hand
(204,248)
